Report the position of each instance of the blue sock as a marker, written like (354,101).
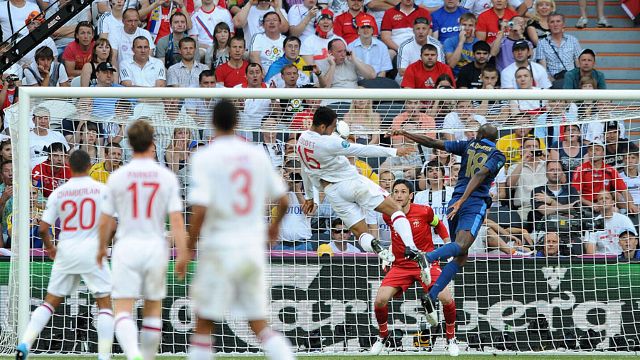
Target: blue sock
(444,252)
(448,273)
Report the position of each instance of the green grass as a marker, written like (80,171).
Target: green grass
(381,357)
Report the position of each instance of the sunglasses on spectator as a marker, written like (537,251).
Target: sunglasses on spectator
(340,231)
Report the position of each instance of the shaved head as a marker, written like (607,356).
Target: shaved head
(489,132)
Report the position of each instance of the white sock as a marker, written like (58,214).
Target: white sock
(39,318)
(104,327)
(403,228)
(365,240)
(150,337)
(275,346)
(127,335)
(200,347)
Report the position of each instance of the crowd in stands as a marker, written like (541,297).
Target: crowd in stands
(554,170)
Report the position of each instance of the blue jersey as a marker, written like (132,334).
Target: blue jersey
(475,154)
(446,23)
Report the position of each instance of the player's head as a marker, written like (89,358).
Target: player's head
(225,116)
(487,131)
(402,192)
(324,120)
(140,135)
(79,162)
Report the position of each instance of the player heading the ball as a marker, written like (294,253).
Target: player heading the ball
(141,195)
(77,205)
(232,182)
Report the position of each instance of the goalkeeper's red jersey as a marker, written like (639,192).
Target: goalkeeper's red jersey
(421,218)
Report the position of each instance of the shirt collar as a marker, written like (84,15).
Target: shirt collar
(488,142)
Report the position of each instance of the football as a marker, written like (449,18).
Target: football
(342,128)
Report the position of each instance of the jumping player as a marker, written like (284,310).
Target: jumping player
(404,273)
(350,194)
(77,205)
(142,194)
(480,164)
(231,184)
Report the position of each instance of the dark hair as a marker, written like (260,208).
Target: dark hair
(525,68)
(80,25)
(186,39)
(404,182)
(430,47)
(252,65)
(237,38)
(56,147)
(444,77)
(481,46)
(44,52)
(100,41)
(490,68)
(225,116)
(270,13)
(206,73)
(221,25)
(176,14)
(112,145)
(291,38)
(335,222)
(286,67)
(553,161)
(139,38)
(140,135)
(5,162)
(330,44)
(324,116)
(434,164)
(79,161)
(555,13)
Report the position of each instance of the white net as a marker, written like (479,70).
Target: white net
(554,266)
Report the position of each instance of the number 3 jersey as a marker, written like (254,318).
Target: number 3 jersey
(141,194)
(77,205)
(234,180)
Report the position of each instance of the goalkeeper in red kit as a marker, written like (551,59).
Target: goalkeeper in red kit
(404,272)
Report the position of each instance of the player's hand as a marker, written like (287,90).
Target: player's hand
(309,207)
(405,150)
(387,256)
(102,254)
(396,132)
(182,263)
(51,251)
(453,210)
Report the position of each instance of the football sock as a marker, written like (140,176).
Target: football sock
(276,346)
(104,328)
(444,252)
(200,347)
(449,311)
(448,273)
(382,316)
(365,240)
(403,228)
(39,318)
(150,337)
(127,335)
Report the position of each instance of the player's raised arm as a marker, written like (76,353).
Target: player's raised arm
(343,147)
(420,139)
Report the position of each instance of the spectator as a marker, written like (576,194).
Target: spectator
(477,7)
(316,45)
(498,109)
(377,8)
(122,40)
(521,53)
(86,138)
(233,72)
(413,119)
(186,73)
(538,24)
(102,52)
(465,117)
(250,18)
(569,150)
(5,149)
(201,109)
(629,244)
(558,52)
(52,173)
(459,46)
(470,75)
(342,69)
(253,110)
(291,56)
(272,141)
(176,154)
(386,179)
(557,197)
(423,73)
(616,148)
(367,47)
(8,92)
(114,130)
(607,240)
(13,15)
(112,21)
(583,21)
(266,47)
(218,53)
(33,21)
(527,175)
(302,120)
(302,19)
(550,245)
(168,47)
(341,237)
(446,20)
(398,22)
(511,144)
(630,174)
(158,15)
(45,71)
(558,113)
(436,195)
(343,25)
(586,67)
(493,20)
(166,117)
(42,136)
(79,52)
(142,70)
(104,107)
(6,202)
(410,50)
(295,231)
(363,122)
(502,47)
(112,161)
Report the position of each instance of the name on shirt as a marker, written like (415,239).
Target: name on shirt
(79,192)
(306,143)
(143,174)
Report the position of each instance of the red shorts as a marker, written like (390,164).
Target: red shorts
(403,278)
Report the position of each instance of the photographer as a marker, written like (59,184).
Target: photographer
(9,91)
(555,198)
(607,241)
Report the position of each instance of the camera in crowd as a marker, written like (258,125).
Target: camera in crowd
(571,228)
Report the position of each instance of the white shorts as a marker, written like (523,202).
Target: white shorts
(140,269)
(64,284)
(228,281)
(350,199)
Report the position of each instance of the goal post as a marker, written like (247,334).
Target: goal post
(290,271)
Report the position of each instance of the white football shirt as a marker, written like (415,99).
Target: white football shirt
(142,194)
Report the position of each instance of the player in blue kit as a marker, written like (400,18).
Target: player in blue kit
(480,164)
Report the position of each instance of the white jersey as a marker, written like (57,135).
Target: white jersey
(142,194)
(234,180)
(325,158)
(77,205)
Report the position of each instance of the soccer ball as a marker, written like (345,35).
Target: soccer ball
(342,128)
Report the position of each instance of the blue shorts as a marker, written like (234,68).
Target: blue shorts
(470,217)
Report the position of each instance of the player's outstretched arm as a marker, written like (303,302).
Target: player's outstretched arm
(420,139)
(43,230)
(274,228)
(180,240)
(106,229)
(475,181)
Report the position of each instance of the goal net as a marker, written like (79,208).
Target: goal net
(555,265)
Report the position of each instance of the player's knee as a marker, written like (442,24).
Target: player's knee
(380,302)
